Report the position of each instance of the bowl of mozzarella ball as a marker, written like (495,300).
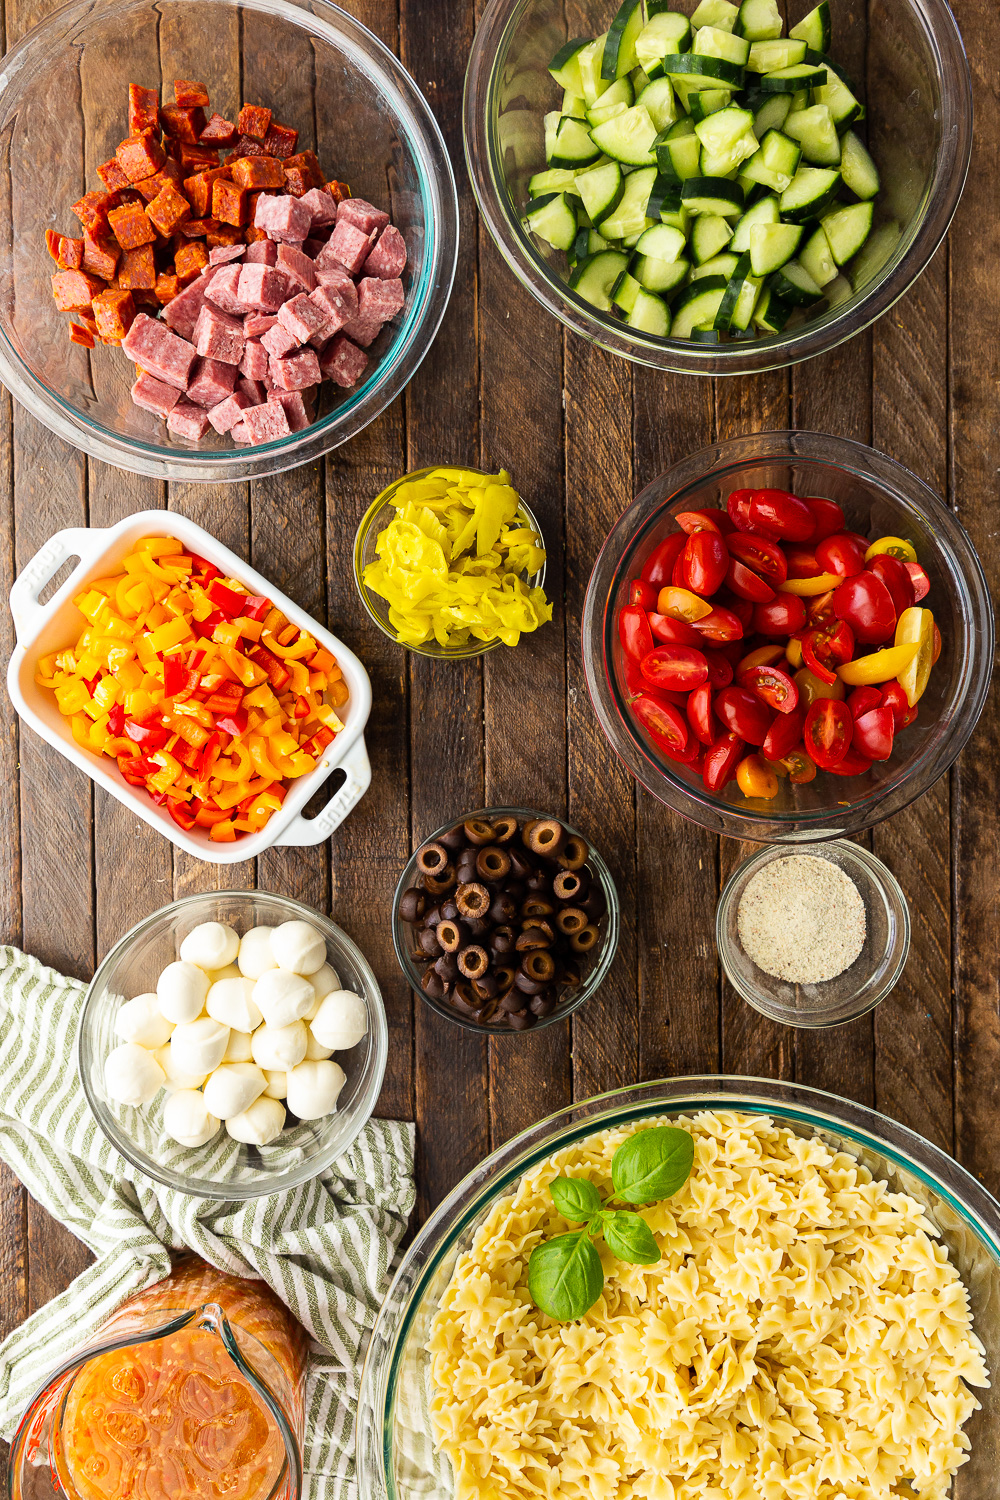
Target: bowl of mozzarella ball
(233,1044)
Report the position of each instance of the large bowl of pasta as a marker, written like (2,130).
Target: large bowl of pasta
(821,1322)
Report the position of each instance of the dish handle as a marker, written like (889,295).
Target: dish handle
(302,831)
(83,542)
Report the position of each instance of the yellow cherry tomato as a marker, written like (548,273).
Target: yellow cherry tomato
(882,666)
(811,688)
(915,632)
(805,588)
(793,651)
(892,546)
(755,778)
(764,656)
(681,604)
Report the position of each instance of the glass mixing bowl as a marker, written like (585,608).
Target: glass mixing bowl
(63,96)
(395,1457)
(919,128)
(226,1169)
(879,498)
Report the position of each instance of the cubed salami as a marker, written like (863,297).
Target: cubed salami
(266,423)
(380,299)
(302,317)
(321,205)
(283,217)
(255,357)
(213,382)
(254,390)
(348,245)
(388,258)
(278,341)
(262,288)
(294,406)
(337,281)
(297,267)
(362,330)
(262,253)
(364,216)
(296,371)
(149,344)
(239,434)
(154,395)
(182,313)
(255,325)
(228,412)
(223,291)
(333,307)
(219,336)
(219,255)
(188,421)
(343,362)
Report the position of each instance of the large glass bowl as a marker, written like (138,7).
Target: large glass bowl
(395,1457)
(879,498)
(226,1169)
(919,128)
(63,95)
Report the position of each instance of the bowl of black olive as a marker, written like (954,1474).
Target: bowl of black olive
(505,919)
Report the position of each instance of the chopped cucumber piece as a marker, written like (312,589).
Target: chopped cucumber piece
(619,93)
(662,242)
(555,180)
(575,105)
(665,34)
(705,335)
(771,313)
(568,142)
(809,192)
(553,220)
(710,234)
(794,284)
(765,57)
(838,291)
(698,305)
(727,137)
(734,287)
(791,80)
(712,195)
(660,103)
(720,265)
(764,211)
(718,13)
(859,172)
(627,138)
(705,102)
(589,60)
(776,162)
(815,28)
(630,215)
(816,257)
(771,245)
(595,277)
(710,41)
(565,66)
(759,21)
(847,229)
(600,189)
(602,112)
(619,50)
(659,275)
(844,108)
(815,131)
(770,111)
(650,314)
(678,156)
(625,291)
(700,71)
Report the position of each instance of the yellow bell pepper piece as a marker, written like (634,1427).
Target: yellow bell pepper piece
(880,666)
(258,754)
(915,629)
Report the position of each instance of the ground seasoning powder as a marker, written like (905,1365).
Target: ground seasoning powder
(801,919)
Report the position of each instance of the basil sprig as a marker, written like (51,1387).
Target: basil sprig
(565,1275)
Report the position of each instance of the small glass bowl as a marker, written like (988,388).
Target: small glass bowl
(375,519)
(849,995)
(600,960)
(226,1169)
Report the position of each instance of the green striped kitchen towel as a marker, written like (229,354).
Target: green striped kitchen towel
(325,1248)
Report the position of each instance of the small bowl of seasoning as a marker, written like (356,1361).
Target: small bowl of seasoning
(813,938)
(505,919)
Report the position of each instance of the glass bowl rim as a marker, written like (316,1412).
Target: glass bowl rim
(888,888)
(417,126)
(594,978)
(871,469)
(914,250)
(435,652)
(280,1183)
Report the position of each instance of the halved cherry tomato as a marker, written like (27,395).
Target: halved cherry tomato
(720,668)
(827,732)
(676,668)
(637,686)
(780,514)
(866,605)
(720,625)
(642,594)
(921,583)
(879,666)
(738,511)
(659,566)
(673,632)
(721,760)
(634,632)
(915,628)
(700,715)
(704,520)
(783,615)
(793,651)
(663,723)
(764,656)
(808,588)
(896,579)
(824,650)
(741,608)
(801,563)
(682,604)
(799,767)
(755,778)
(873,732)
(812,688)
(820,610)
(746,584)
(841,554)
(760,555)
(827,517)
(689,756)
(772,686)
(852,764)
(863,700)
(936,650)
(703,563)
(894,697)
(892,546)
(783,735)
(743,713)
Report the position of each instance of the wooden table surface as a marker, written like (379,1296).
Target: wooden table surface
(582,433)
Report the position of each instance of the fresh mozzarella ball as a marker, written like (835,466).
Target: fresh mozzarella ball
(258,1125)
(132,1075)
(231,1002)
(232,1088)
(315,1051)
(198,1047)
(255,956)
(313,1089)
(238,1049)
(176,1077)
(323,981)
(279,1047)
(141,1021)
(298,947)
(282,997)
(187,1118)
(340,1022)
(231,971)
(277,1083)
(181,991)
(211,945)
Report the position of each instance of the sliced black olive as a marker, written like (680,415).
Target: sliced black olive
(571,919)
(432,859)
(452,936)
(586,939)
(574,853)
(492,863)
(546,837)
(567,885)
(504,828)
(412,904)
(478,831)
(538,965)
(472,899)
(439,884)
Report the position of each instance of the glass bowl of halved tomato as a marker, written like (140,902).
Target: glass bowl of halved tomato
(788,637)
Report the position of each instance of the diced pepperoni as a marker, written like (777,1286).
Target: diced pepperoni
(190,94)
(197,229)
(143,109)
(213,382)
(183,124)
(75,289)
(92,211)
(229,412)
(190,260)
(255,172)
(67,253)
(308,163)
(254,121)
(114,312)
(194,159)
(153,395)
(167,287)
(100,256)
(343,362)
(280,140)
(112,175)
(168,209)
(131,226)
(218,132)
(229,202)
(137,271)
(80,335)
(223,235)
(140,157)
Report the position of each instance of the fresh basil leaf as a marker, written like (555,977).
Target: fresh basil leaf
(652,1164)
(576,1198)
(630,1237)
(565,1276)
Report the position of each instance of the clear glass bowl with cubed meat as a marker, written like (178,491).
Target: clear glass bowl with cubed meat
(232,232)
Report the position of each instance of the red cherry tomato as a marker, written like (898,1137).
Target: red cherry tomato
(864,699)
(731,650)
(721,759)
(748,585)
(824,650)
(676,668)
(799,767)
(700,715)
(921,583)
(873,732)
(741,608)
(783,735)
(664,724)
(785,614)
(738,510)
(743,713)
(841,554)
(634,632)
(773,687)
(852,764)
(894,697)
(642,594)
(704,520)
(659,565)
(827,732)
(702,563)
(720,626)
(760,555)
(866,605)
(783,515)
(936,649)
(896,579)
(720,669)
(673,632)
(820,609)
(801,563)
(827,517)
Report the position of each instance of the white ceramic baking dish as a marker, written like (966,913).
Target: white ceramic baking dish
(42,628)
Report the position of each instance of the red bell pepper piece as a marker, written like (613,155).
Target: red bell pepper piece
(207,815)
(228,600)
(206,571)
(302,709)
(205,627)
(116,720)
(224,698)
(187,755)
(319,741)
(91,683)
(178,680)
(149,736)
(255,607)
(182,815)
(209,755)
(233,722)
(135,768)
(278,674)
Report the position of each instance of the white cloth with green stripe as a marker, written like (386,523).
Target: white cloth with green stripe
(325,1248)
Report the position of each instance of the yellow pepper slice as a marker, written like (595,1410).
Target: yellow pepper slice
(893,546)
(805,588)
(881,666)
(915,631)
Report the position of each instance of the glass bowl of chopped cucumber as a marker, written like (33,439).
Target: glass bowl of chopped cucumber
(700,188)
